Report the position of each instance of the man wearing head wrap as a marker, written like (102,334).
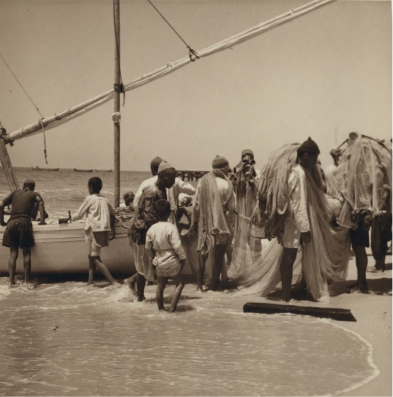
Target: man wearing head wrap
(213,203)
(245,186)
(154,164)
(19,230)
(297,229)
(144,218)
(172,193)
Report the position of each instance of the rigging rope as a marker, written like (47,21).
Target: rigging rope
(191,53)
(36,107)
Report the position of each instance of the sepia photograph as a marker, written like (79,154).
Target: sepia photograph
(195,197)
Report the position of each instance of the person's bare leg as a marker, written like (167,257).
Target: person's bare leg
(27,263)
(361,264)
(104,270)
(92,269)
(219,253)
(380,264)
(201,271)
(131,281)
(141,282)
(176,294)
(224,270)
(161,283)
(286,270)
(229,254)
(12,264)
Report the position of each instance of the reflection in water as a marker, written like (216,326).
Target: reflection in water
(68,339)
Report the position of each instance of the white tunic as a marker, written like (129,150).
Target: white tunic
(172,193)
(97,210)
(297,221)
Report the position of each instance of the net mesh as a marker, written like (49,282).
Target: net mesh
(364,174)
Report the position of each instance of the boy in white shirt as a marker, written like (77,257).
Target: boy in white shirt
(97,211)
(163,243)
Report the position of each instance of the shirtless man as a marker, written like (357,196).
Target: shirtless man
(19,230)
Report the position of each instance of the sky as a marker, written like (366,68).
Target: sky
(321,75)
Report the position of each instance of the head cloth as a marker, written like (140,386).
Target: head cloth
(164,166)
(156,162)
(219,161)
(247,151)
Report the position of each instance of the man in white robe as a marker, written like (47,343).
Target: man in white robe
(213,204)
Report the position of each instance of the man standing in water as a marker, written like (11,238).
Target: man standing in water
(297,229)
(213,202)
(144,218)
(19,230)
(154,164)
(173,193)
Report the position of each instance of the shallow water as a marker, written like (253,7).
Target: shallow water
(69,339)
(65,189)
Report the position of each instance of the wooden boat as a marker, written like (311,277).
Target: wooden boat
(103,170)
(62,249)
(44,169)
(78,170)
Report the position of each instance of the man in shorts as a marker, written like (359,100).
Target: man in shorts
(19,230)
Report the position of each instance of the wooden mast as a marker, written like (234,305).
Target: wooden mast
(6,162)
(116,116)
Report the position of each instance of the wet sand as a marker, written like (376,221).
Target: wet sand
(373,313)
(221,311)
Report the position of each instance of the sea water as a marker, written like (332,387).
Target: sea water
(63,338)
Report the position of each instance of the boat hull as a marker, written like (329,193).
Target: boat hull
(62,249)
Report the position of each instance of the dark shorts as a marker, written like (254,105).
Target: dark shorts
(19,233)
(360,237)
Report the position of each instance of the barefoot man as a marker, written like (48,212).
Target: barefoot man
(19,230)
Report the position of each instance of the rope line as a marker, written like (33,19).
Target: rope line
(36,107)
(191,53)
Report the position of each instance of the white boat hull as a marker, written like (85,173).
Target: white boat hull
(62,249)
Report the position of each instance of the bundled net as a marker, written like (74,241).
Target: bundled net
(273,190)
(324,259)
(124,215)
(363,175)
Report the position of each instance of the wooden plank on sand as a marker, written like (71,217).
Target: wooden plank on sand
(324,312)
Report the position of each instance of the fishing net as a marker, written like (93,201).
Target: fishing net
(364,175)
(273,190)
(323,260)
(124,215)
